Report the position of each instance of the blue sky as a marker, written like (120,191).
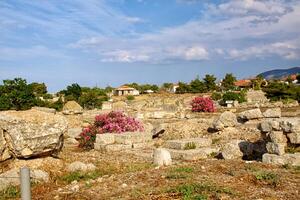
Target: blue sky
(111,42)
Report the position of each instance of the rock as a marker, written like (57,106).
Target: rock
(290,125)
(73,132)
(290,159)
(256,96)
(226,119)
(294,137)
(11,177)
(44,109)
(112,147)
(4,151)
(251,114)
(236,149)
(48,163)
(107,138)
(192,154)
(80,166)
(191,143)
(71,108)
(119,106)
(32,133)
(272,113)
(269,125)
(162,157)
(276,148)
(277,137)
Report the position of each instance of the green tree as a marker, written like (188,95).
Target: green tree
(183,88)
(167,86)
(210,82)
(73,92)
(16,94)
(197,86)
(228,82)
(298,78)
(39,89)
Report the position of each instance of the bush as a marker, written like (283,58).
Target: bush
(113,122)
(232,96)
(216,96)
(130,97)
(202,104)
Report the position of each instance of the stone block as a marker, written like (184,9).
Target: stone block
(185,143)
(292,159)
(141,145)
(272,113)
(277,137)
(273,159)
(106,138)
(133,137)
(192,154)
(162,157)
(117,147)
(276,148)
(294,138)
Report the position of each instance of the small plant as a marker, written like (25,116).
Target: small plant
(216,140)
(130,97)
(77,176)
(203,104)
(269,177)
(10,192)
(179,173)
(113,122)
(189,145)
(232,96)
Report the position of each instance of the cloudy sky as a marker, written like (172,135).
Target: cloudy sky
(111,42)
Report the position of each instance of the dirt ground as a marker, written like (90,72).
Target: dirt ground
(131,175)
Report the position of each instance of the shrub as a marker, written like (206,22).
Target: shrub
(113,122)
(130,97)
(232,96)
(202,104)
(216,96)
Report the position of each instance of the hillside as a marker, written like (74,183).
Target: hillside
(280,73)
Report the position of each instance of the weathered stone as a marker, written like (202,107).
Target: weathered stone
(32,133)
(251,114)
(106,138)
(294,137)
(119,106)
(226,119)
(188,143)
(161,157)
(11,177)
(237,149)
(141,145)
(73,132)
(290,159)
(277,137)
(112,147)
(256,96)
(80,166)
(272,113)
(106,105)
(4,151)
(269,125)
(276,148)
(192,154)
(133,137)
(291,125)
(44,109)
(273,159)
(72,107)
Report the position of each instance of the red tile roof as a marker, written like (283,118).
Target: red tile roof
(243,83)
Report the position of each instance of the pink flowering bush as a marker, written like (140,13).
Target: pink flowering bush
(113,122)
(203,104)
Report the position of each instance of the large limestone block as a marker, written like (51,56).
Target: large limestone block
(272,113)
(276,148)
(133,137)
(290,159)
(72,107)
(251,114)
(226,119)
(4,151)
(269,125)
(32,133)
(188,143)
(80,166)
(294,137)
(236,149)
(107,138)
(290,125)
(277,137)
(192,154)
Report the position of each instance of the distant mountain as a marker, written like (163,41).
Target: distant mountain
(280,73)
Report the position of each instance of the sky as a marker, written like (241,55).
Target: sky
(112,42)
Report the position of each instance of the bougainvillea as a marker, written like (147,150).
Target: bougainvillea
(203,104)
(113,122)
